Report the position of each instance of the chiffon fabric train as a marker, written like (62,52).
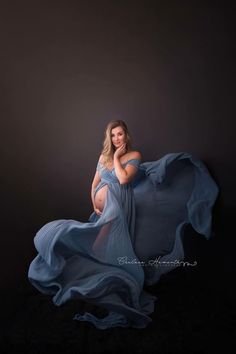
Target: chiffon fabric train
(108,260)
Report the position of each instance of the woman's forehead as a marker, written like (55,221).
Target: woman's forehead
(117,130)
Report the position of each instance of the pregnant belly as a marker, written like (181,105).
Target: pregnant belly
(100,197)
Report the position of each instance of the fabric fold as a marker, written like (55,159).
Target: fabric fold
(137,238)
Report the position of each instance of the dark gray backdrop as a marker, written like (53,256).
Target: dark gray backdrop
(69,67)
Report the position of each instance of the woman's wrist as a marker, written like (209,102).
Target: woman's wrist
(116,161)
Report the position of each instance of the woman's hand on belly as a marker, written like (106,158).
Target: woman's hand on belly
(97,211)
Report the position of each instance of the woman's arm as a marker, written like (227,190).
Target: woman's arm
(125,175)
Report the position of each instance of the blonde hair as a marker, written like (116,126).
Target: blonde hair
(108,147)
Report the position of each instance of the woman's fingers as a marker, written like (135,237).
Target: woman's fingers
(97,211)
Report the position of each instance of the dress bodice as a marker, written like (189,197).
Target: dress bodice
(110,175)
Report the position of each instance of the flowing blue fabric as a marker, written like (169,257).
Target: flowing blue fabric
(137,238)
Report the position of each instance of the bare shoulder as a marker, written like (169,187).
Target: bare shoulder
(101,158)
(135,155)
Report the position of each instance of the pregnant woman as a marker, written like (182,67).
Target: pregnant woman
(140,213)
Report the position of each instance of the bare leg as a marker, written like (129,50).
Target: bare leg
(99,244)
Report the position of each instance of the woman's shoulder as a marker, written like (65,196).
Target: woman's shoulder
(134,155)
(101,158)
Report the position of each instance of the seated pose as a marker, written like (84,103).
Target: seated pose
(133,236)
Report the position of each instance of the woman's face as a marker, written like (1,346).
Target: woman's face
(118,136)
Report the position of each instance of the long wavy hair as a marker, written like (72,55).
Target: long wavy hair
(108,147)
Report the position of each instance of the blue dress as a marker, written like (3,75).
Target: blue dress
(137,238)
